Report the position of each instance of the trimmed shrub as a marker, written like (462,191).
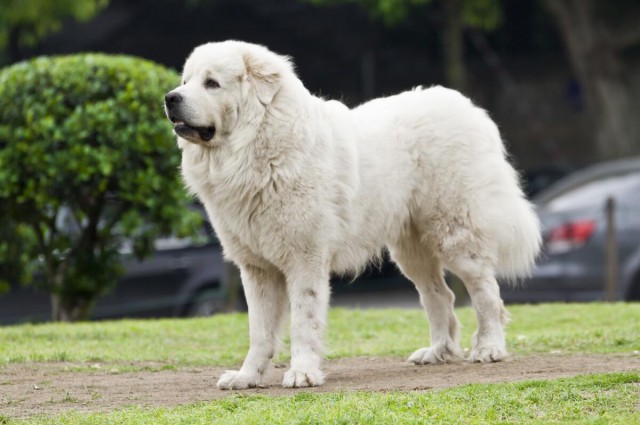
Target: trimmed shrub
(87,162)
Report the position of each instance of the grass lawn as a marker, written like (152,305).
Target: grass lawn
(222,340)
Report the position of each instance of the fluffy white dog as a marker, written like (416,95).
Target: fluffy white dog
(298,188)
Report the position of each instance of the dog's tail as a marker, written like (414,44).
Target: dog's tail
(521,241)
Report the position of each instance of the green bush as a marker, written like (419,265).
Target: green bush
(87,160)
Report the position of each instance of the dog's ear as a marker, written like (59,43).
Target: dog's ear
(266,77)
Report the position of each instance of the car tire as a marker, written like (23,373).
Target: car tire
(207,302)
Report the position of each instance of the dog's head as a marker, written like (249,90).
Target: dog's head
(224,86)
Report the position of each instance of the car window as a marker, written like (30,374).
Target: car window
(595,192)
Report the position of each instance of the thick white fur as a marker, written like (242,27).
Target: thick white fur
(298,187)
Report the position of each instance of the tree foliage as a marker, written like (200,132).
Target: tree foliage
(87,163)
(25,22)
(457,14)
(390,12)
(37,18)
(482,14)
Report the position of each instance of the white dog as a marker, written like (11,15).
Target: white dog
(298,188)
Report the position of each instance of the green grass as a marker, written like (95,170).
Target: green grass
(594,399)
(223,339)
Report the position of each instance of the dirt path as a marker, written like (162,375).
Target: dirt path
(50,388)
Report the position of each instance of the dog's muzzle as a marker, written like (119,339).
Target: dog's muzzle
(172,103)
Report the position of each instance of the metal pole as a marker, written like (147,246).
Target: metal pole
(611,254)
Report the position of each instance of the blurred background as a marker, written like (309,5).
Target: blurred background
(560,77)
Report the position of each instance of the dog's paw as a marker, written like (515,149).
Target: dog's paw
(236,380)
(302,378)
(488,353)
(439,353)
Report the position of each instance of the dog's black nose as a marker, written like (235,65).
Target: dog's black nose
(172,99)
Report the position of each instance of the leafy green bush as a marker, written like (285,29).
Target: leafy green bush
(87,161)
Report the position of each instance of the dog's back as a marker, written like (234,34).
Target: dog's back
(431,160)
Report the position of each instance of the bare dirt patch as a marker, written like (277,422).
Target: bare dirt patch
(52,388)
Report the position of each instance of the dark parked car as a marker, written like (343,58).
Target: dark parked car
(573,215)
(185,277)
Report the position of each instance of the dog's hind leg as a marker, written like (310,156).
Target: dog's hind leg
(266,296)
(488,342)
(425,271)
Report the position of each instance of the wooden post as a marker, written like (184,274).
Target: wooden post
(611,254)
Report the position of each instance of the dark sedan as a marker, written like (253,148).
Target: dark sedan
(184,277)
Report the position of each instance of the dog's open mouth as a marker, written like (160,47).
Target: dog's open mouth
(185,130)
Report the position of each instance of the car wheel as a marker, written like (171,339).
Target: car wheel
(206,303)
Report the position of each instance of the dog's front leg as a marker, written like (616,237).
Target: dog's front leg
(266,296)
(308,292)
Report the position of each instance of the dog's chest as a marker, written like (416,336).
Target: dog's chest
(252,233)
(244,203)
(248,218)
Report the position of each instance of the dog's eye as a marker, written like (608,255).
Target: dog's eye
(210,83)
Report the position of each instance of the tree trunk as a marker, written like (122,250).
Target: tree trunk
(595,58)
(453,45)
(234,286)
(66,310)
(368,72)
